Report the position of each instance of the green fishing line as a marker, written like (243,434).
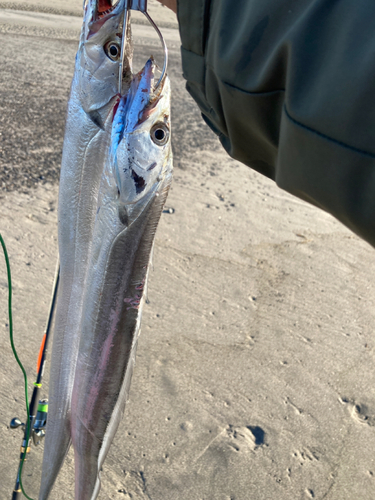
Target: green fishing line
(18,361)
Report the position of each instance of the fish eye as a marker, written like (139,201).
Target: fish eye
(112,50)
(160,133)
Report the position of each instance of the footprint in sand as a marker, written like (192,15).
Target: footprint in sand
(244,438)
(360,412)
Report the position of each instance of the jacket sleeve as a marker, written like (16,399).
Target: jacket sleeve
(289,88)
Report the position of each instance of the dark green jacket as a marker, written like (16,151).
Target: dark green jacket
(289,87)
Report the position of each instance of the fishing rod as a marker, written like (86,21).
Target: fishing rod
(38,409)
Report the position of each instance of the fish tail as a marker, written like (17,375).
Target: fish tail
(87,480)
(90,451)
(55,452)
(64,355)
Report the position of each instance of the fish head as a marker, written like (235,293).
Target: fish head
(141,154)
(99,53)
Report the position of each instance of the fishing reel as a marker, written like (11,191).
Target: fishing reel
(38,431)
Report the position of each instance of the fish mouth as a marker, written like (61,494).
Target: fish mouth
(101,10)
(127,105)
(105,7)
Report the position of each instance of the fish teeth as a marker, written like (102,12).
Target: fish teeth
(102,14)
(106,12)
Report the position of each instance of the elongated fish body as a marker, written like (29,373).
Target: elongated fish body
(132,194)
(86,142)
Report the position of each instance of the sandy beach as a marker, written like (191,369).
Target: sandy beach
(255,370)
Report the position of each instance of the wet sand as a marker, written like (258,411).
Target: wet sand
(255,367)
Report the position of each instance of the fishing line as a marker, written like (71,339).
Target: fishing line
(26,443)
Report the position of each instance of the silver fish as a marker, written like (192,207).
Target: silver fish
(132,193)
(92,98)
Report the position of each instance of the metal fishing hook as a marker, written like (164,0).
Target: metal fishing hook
(164,70)
(123,43)
(140,5)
